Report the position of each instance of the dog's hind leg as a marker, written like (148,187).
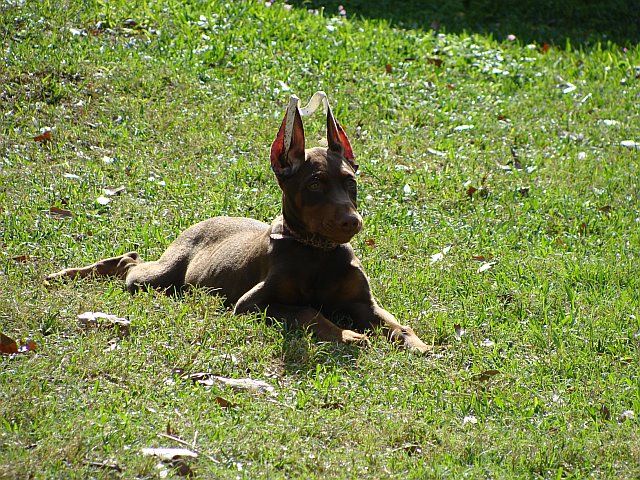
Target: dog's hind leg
(164,274)
(109,267)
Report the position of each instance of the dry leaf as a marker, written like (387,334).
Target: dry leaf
(436,257)
(435,61)
(239,384)
(7,345)
(485,266)
(630,144)
(627,415)
(20,258)
(479,258)
(168,454)
(44,137)
(388,68)
(57,212)
(440,255)
(469,419)
(29,346)
(110,192)
(486,375)
(370,242)
(224,403)
(103,320)
(471,190)
(545,47)
(605,209)
(333,405)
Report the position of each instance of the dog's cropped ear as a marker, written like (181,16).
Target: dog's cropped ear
(287,150)
(338,141)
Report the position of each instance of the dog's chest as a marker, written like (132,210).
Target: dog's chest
(320,281)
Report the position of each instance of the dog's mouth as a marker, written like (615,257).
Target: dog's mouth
(342,234)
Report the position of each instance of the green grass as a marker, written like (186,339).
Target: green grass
(191,95)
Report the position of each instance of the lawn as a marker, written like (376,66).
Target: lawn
(499,183)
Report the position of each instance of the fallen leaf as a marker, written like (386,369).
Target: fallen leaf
(485,266)
(44,137)
(469,419)
(436,152)
(238,384)
(106,465)
(20,258)
(486,375)
(459,331)
(168,454)
(333,405)
(103,320)
(440,255)
(57,212)
(630,144)
(437,257)
(545,47)
(627,415)
(7,345)
(605,209)
(502,118)
(224,403)
(370,242)
(110,192)
(471,190)
(435,61)
(479,258)
(388,68)
(29,346)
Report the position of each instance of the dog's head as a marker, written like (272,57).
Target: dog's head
(319,184)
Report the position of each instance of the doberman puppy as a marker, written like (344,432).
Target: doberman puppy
(301,268)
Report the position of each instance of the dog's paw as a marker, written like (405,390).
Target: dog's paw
(66,273)
(411,341)
(351,337)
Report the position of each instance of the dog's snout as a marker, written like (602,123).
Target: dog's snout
(351,222)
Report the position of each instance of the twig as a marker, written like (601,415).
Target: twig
(186,444)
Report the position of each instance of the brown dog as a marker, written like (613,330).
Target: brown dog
(301,268)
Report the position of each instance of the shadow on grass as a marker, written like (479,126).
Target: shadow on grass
(583,23)
(303,351)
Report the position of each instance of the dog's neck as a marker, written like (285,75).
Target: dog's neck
(283,229)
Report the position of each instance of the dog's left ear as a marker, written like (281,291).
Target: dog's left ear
(287,150)
(338,141)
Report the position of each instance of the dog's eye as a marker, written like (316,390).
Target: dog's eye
(351,184)
(314,186)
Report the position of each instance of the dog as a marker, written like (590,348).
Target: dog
(301,268)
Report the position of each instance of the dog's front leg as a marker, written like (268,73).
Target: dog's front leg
(371,315)
(257,299)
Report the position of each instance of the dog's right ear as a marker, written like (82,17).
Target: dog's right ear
(287,150)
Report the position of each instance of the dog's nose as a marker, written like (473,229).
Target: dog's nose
(351,223)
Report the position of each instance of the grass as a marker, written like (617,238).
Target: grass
(179,102)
